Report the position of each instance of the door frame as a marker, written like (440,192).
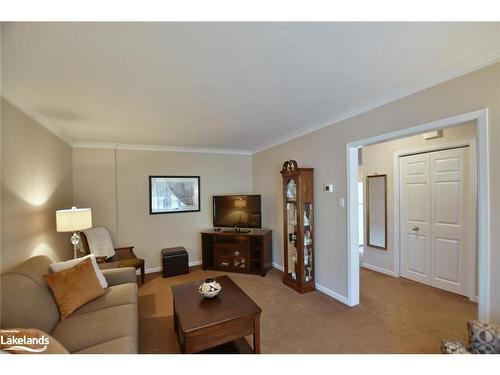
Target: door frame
(470,222)
(482,190)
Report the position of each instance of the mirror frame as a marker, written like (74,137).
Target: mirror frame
(368,211)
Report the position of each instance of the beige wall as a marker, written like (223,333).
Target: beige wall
(94,185)
(1,131)
(379,159)
(36,181)
(131,223)
(325,150)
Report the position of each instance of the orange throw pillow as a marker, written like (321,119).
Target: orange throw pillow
(74,287)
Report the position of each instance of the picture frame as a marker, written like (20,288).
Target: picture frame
(174,194)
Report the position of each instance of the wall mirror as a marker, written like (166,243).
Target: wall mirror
(376,196)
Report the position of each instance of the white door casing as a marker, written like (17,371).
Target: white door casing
(434,225)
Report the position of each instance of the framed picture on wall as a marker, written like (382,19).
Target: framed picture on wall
(174,194)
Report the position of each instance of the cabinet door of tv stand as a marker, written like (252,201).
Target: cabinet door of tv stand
(231,253)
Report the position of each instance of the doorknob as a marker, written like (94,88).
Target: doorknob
(415,229)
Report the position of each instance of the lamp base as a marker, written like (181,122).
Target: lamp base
(75,239)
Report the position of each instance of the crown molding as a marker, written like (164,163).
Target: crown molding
(102,145)
(137,147)
(386,98)
(48,124)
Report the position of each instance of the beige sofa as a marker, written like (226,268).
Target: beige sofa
(108,324)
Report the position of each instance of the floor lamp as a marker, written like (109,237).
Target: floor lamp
(74,220)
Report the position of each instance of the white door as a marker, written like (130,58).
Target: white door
(449,231)
(415,217)
(434,225)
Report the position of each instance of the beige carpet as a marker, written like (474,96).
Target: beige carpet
(395,316)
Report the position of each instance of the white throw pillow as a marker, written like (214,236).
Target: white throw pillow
(59,266)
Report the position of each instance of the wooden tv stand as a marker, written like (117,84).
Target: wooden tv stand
(228,250)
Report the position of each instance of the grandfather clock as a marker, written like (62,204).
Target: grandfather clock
(298,226)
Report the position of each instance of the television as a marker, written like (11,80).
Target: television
(241,211)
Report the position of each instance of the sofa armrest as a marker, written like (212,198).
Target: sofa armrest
(116,276)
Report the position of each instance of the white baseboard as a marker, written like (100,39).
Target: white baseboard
(332,294)
(279,267)
(150,270)
(378,269)
(159,269)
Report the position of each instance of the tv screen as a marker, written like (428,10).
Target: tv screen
(237,210)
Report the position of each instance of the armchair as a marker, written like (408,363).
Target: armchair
(98,242)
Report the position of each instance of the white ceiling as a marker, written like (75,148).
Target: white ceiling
(225,85)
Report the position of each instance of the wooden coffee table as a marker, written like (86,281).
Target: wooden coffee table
(202,323)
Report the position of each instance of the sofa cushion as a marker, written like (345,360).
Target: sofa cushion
(122,345)
(117,295)
(81,331)
(26,301)
(74,287)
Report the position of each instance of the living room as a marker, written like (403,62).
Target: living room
(166,190)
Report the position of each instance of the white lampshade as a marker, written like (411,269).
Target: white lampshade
(73,219)
(240,203)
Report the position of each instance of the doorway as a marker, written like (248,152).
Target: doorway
(480,119)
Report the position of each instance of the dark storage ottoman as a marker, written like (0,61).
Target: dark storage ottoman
(175,261)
